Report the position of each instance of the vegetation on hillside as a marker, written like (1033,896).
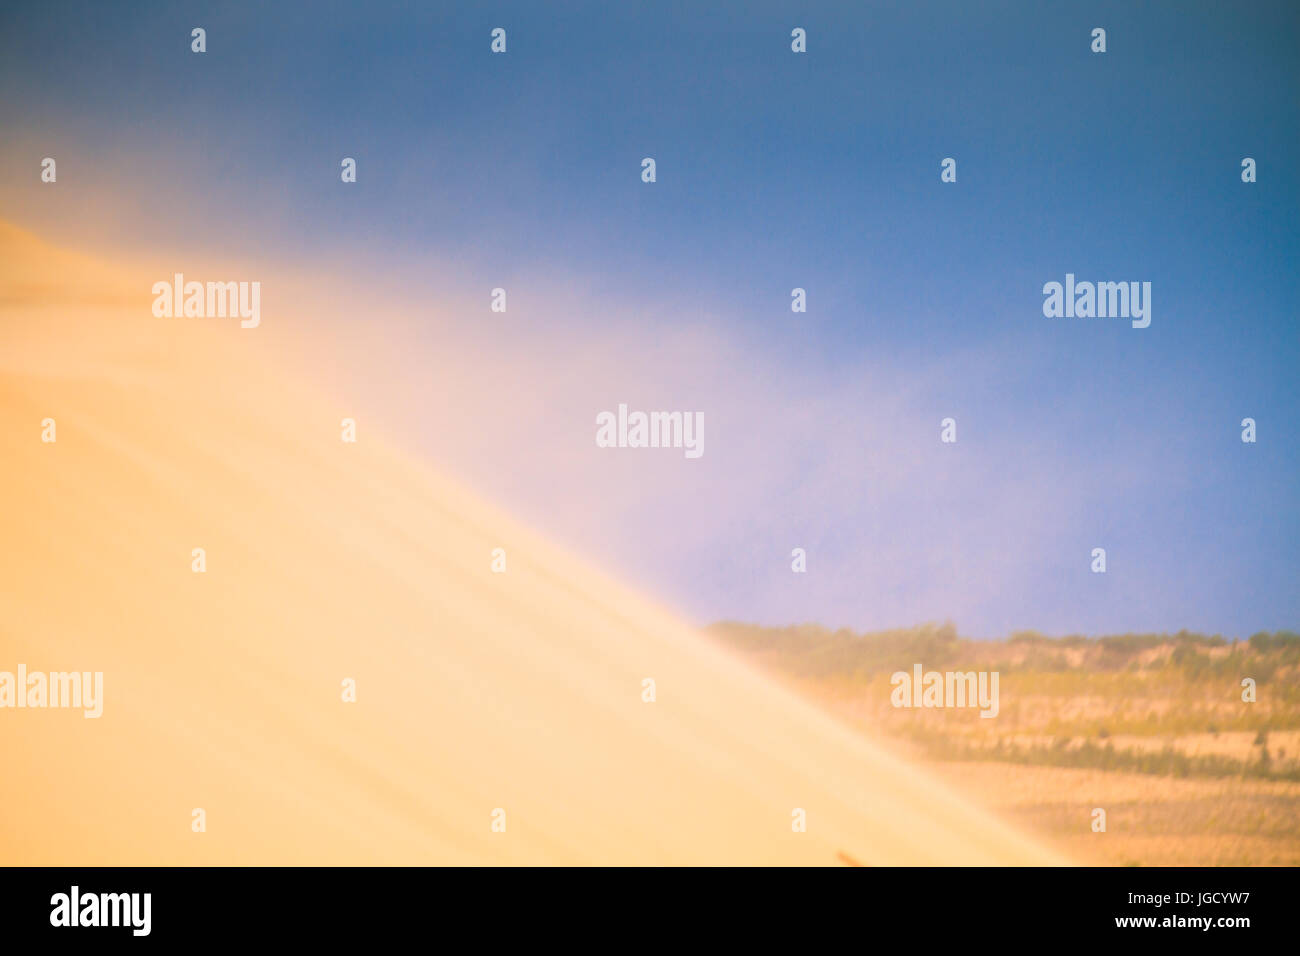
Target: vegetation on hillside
(1168,704)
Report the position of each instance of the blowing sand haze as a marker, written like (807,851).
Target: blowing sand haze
(519,693)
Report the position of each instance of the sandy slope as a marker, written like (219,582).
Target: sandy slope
(329,561)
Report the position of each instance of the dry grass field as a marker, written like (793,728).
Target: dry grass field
(1151,820)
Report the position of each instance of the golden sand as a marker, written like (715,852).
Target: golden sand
(329,561)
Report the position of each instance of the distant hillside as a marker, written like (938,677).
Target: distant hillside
(1153,703)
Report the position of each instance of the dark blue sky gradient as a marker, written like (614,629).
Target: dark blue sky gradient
(775,171)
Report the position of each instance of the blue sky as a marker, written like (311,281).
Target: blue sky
(775,170)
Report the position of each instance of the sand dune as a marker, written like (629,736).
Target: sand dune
(325,561)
